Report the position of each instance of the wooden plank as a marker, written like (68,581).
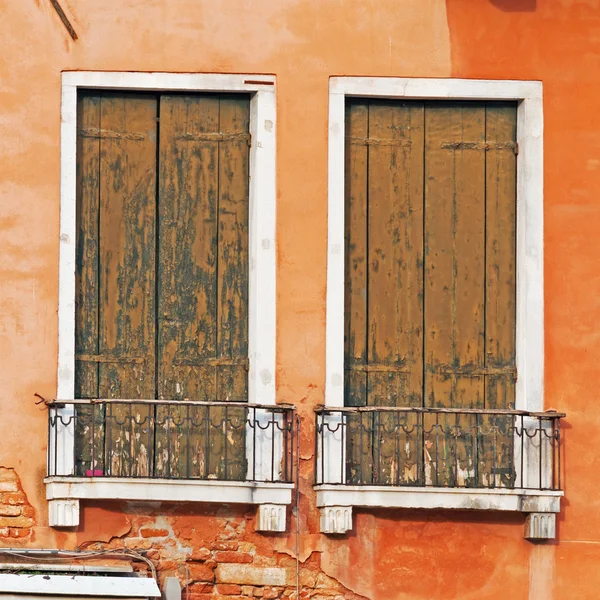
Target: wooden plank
(187,314)
(127,275)
(500,289)
(355,309)
(395,283)
(233,266)
(232,282)
(86,287)
(454,279)
(203,263)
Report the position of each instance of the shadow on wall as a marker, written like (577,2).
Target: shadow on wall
(515,5)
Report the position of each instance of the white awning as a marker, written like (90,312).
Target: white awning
(76,586)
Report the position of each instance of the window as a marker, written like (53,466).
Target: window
(434,355)
(166,353)
(430,243)
(162,276)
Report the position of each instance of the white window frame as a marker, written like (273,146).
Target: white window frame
(262,271)
(530,261)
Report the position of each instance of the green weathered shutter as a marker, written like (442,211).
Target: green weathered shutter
(162,280)
(430,283)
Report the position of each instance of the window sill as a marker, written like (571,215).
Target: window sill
(336,502)
(64,494)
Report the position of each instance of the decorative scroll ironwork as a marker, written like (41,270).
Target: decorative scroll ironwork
(438,447)
(230,441)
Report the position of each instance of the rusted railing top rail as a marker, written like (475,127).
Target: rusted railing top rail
(184,402)
(549,414)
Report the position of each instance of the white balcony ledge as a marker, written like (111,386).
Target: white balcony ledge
(64,494)
(330,498)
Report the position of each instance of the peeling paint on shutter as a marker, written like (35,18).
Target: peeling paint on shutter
(430,282)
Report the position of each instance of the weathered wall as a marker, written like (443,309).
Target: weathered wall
(391,554)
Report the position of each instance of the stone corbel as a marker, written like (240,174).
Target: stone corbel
(336,519)
(63,513)
(271,517)
(540,526)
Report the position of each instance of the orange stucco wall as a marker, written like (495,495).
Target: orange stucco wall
(391,554)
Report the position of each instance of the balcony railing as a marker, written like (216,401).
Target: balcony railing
(437,447)
(223,441)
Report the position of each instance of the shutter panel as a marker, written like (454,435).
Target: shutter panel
(86,277)
(232,282)
(359,446)
(127,275)
(395,281)
(115,276)
(454,279)
(384,314)
(496,454)
(203,275)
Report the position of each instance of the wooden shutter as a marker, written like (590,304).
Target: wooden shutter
(430,276)
(162,277)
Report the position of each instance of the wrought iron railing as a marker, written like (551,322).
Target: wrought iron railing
(437,447)
(230,441)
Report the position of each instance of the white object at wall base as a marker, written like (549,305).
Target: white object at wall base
(271,517)
(171,589)
(336,519)
(540,526)
(77,586)
(63,513)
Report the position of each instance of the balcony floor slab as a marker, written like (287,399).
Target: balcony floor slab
(517,500)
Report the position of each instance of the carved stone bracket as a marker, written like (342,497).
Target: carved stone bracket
(271,517)
(540,526)
(336,519)
(63,513)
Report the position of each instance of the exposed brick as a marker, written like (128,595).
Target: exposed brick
(15,522)
(28,511)
(200,554)
(271,593)
(199,588)
(14,498)
(258,592)
(233,557)
(225,545)
(19,533)
(7,474)
(237,573)
(151,533)
(8,510)
(139,543)
(4,532)
(228,589)
(9,486)
(307,578)
(323,581)
(201,572)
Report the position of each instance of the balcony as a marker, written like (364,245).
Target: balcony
(158,450)
(506,460)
